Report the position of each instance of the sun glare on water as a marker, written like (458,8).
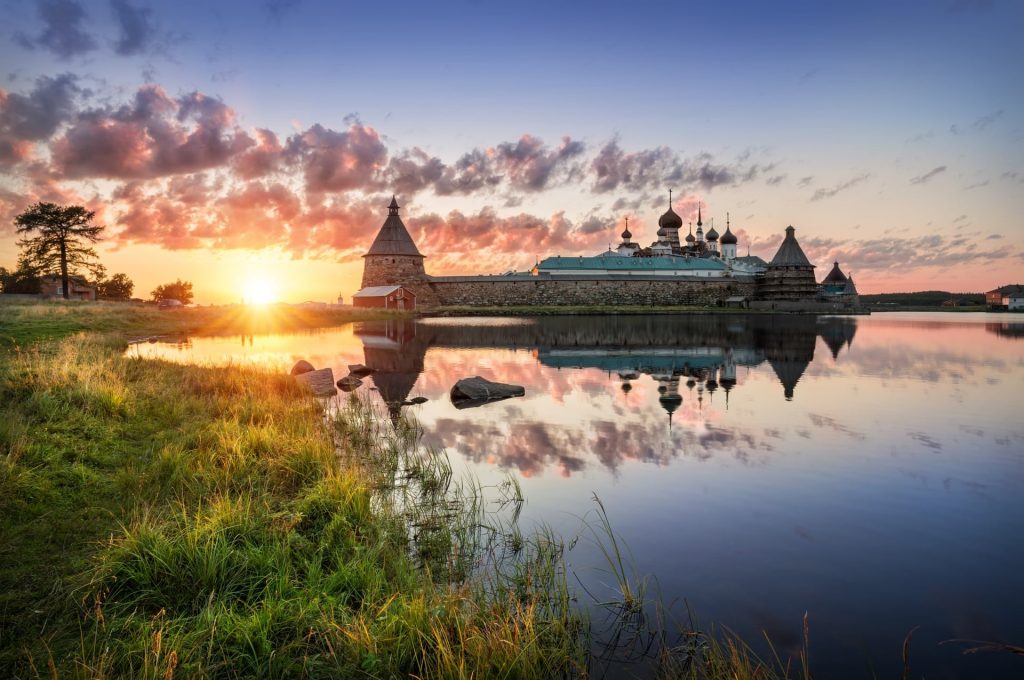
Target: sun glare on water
(260,291)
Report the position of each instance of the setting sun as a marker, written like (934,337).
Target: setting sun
(260,291)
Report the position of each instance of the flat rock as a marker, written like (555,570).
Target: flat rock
(477,391)
(302,366)
(349,383)
(321,382)
(360,371)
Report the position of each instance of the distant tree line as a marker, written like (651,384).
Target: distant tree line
(925,298)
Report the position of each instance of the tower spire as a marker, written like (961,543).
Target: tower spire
(669,199)
(699,223)
(393,207)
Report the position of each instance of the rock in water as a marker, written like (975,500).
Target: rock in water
(418,400)
(302,366)
(477,391)
(321,382)
(349,383)
(360,371)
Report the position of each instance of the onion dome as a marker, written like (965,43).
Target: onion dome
(627,234)
(689,237)
(670,220)
(728,238)
(712,234)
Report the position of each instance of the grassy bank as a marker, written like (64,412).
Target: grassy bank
(160,520)
(23,323)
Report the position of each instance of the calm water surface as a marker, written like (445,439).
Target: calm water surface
(867,470)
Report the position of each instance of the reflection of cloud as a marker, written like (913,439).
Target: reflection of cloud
(825,422)
(926,440)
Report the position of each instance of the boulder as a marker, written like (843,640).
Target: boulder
(349,383)
(302,366)
(360,371)
(321,382)
(477,391)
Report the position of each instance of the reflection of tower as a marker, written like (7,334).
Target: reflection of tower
(727,377)
(670,399)
(393,351)
(789,347)
(837,331)
(712,383)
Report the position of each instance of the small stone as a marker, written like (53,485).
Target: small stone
(360,371)
(418,400)
(302,366)
(477,391)
(349,383)
(320,382)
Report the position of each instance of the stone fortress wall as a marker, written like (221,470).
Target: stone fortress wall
(533,290)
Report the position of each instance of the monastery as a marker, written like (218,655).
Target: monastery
(703,268)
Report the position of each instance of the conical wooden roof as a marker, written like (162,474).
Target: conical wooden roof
(836,275)
(393,238)
(790,253)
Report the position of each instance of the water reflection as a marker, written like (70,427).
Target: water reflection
(867,470)
(704,352)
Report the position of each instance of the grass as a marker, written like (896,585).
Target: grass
(160,520)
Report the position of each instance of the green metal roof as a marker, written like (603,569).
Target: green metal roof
(640,264)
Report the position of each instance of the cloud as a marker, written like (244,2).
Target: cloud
(531,166)
(805,181)
(880,255)
(277,9)
(775,180)
(978,125)
(62,31)
(29,118)
(154,136)
(263,158)
(615,169)
(829,193)
(338,161)
(136,29)
(921,179)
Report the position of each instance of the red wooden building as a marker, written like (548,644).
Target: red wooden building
(386,297)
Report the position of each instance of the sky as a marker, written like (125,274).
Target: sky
(255,145)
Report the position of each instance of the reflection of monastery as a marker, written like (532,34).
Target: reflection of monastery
(701,352)
(701,268)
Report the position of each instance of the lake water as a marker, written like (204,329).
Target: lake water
(866,470)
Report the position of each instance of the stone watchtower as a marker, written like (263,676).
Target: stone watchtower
(394,260)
